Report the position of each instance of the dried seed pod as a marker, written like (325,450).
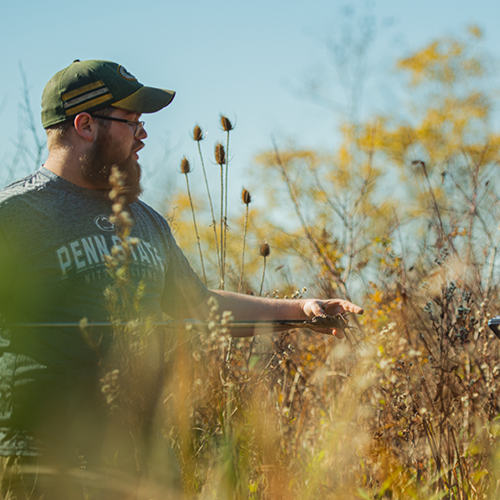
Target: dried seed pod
(226,124)
(117,208)
(264,250)
(245,196)
(418,163)
(220,154)
(185,167)
(197,133)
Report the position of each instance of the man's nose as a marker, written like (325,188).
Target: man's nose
(142,134)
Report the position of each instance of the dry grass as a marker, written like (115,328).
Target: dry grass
(299,414)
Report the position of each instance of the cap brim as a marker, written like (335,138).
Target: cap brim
(146,100)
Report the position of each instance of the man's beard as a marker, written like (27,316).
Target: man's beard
(97,163)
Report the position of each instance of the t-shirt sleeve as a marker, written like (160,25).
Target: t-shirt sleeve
(8,274)
(9,307)
(183,289)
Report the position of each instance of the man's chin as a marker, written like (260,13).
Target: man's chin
(96,169)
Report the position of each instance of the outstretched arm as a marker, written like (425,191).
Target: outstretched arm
(248,307)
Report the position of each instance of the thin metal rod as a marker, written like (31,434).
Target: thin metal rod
(169,324)
(325,322)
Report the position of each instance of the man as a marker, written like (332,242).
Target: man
(56,236)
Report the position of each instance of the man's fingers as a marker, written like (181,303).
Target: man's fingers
(317,309)
(357,310)
(350,307)
(346,306)
(338,333)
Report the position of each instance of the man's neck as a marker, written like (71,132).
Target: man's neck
(65,163)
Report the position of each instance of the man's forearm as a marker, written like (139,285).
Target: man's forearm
(249,307)
(258,308)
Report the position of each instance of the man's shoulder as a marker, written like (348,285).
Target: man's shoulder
(150,221)
(141,207)
(32,183)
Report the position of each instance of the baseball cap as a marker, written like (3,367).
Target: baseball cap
(92,85)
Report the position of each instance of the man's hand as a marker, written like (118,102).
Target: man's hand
(332,307)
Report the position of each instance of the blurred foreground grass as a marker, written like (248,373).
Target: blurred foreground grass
(298,414)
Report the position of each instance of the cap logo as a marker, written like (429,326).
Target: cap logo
(125,74)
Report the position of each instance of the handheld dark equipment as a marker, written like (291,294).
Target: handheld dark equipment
(494,324)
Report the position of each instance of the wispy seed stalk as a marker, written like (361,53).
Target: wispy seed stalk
(220,158)
(227,127)
(247,199)
(214,224)
(263,276)
(222,250)
(225,202)
(196,229)
(243,249)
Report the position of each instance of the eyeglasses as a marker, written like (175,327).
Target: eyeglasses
(138,126)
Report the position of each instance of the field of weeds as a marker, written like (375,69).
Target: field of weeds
(402,219)
(301,414)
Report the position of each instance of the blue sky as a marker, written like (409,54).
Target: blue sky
(248,60)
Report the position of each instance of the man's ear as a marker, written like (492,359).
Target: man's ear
(85,126)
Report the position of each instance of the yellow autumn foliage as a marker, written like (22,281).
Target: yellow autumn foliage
(446,61)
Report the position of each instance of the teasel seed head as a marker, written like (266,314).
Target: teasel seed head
(265,250)
(197,133)
(227,126)
(185,166)
(245,196)
(220,154)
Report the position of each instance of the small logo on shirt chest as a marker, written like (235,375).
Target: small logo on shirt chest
(103,223)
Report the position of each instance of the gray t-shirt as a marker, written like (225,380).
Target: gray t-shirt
(53,239)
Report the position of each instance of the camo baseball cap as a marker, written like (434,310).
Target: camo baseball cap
(92,85)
